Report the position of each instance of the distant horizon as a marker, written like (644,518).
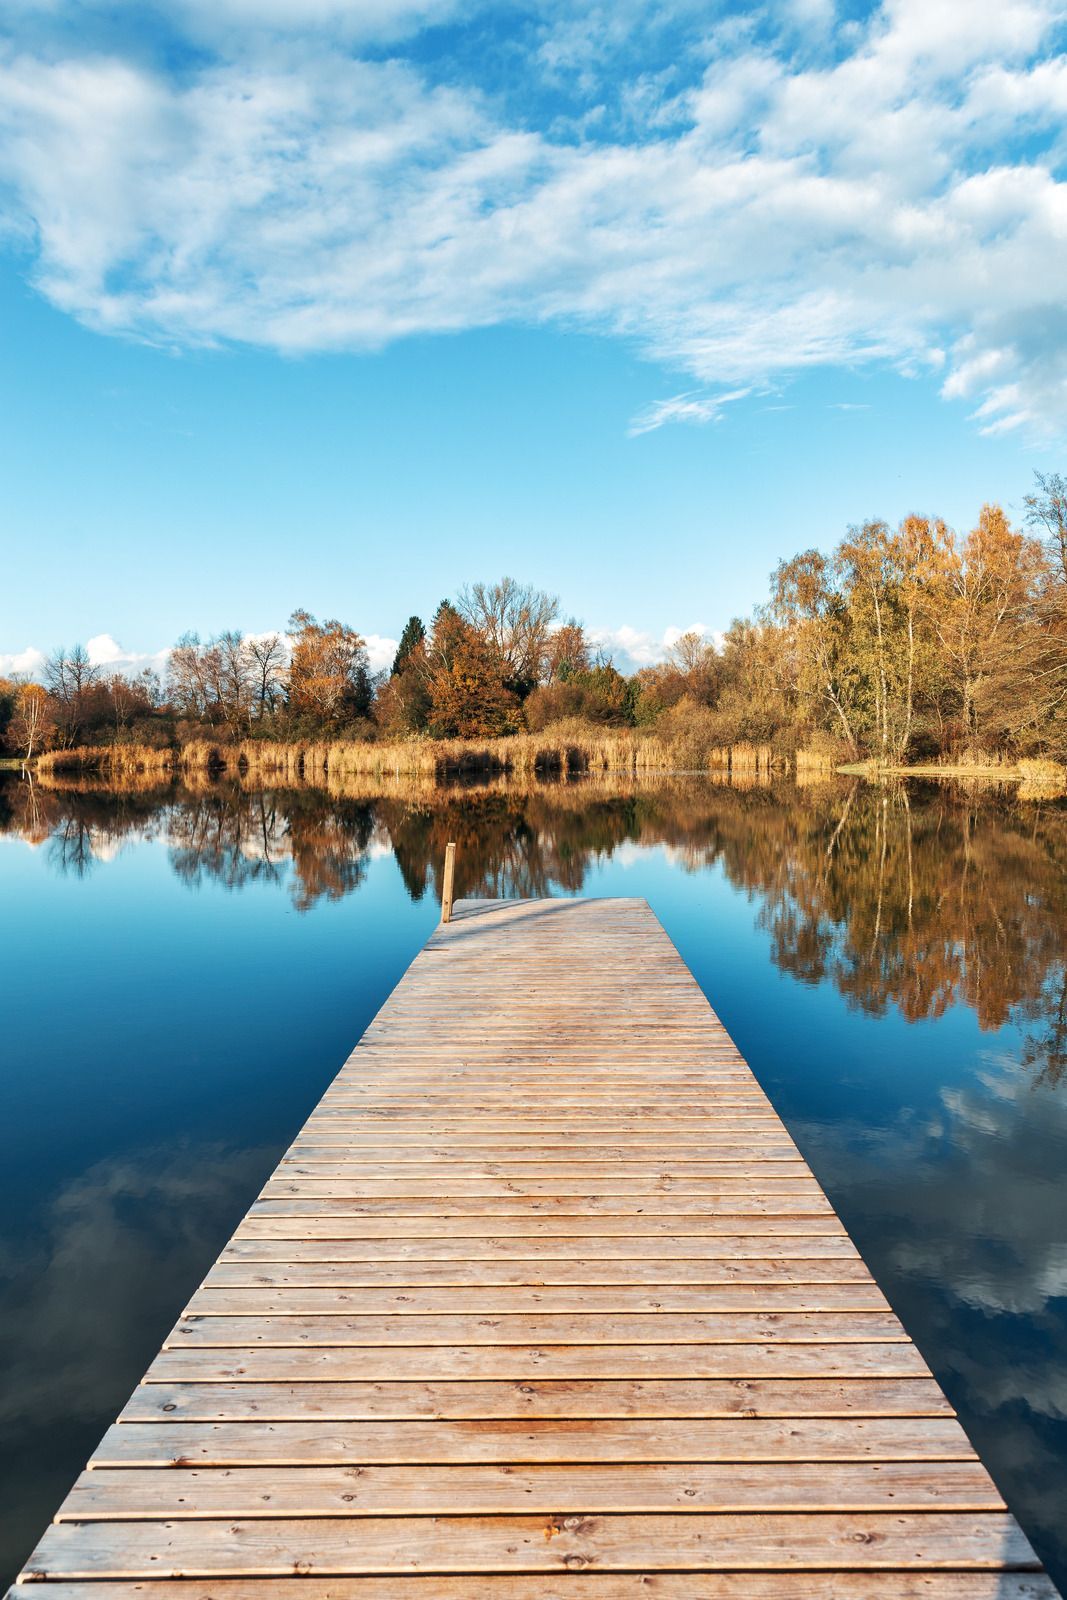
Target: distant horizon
(629,647)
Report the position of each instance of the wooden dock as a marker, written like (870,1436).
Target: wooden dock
(542,1304)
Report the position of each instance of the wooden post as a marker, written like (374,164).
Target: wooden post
(446,891)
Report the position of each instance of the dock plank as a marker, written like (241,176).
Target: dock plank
(690,1585)
(324,1400)
(326,1546)
(230,1444)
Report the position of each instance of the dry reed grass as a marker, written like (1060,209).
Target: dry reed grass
(1040,770)
(1042,779)
(117,760)
(566,748)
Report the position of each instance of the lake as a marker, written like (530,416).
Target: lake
(184,970)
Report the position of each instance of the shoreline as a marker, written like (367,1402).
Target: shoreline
(866,769)
(562,751)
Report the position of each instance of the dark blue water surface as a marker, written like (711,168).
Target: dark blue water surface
(183,972)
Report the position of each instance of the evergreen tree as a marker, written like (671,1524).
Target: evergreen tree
(413,635)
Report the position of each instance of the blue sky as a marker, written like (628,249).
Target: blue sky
(344,303)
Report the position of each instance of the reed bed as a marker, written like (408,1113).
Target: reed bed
(116,760)
(1034,770)
(1042,779)
(566,748)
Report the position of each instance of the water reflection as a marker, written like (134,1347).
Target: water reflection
(892,961)
(86,1281)
(916,899)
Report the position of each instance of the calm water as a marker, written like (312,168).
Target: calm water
(183,973)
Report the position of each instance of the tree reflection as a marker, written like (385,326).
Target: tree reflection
(917,898)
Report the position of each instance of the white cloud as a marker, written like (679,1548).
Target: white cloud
(28,663)
(105,651)
(631,648)
(380,651)
(786,207)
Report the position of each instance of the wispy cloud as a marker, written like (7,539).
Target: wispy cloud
(692,407)
(740,200)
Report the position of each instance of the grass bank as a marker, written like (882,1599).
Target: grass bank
(1037,777)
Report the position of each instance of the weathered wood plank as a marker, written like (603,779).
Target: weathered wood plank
(690,1585)
(444,1178)
(535,1439)
(330,1142)
(683,1208)
(534,1223)
(663,1327)
(162,1493)
(886,1359)
(326,1400)
(814,1248)
(291,1300)
(532,1273)
(842,1541)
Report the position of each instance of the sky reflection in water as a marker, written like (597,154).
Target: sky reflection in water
(183,973)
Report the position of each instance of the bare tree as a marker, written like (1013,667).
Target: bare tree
(515,618)
(218,680)
(124,700)
(1048,509)
(187,685)
(234,674)
(69,675)
(269,661)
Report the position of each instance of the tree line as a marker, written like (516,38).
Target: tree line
(907,643)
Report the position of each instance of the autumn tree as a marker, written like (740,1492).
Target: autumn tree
(597,693)
(468,694)
(33,720)
(127,700)
(402,701)
(9,689)
(233,674)
(815,641)
(696,659)
(1046,510)
(867,564)
(329,675)
(755,702)
(515,619)
(983,608)
(566,652)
